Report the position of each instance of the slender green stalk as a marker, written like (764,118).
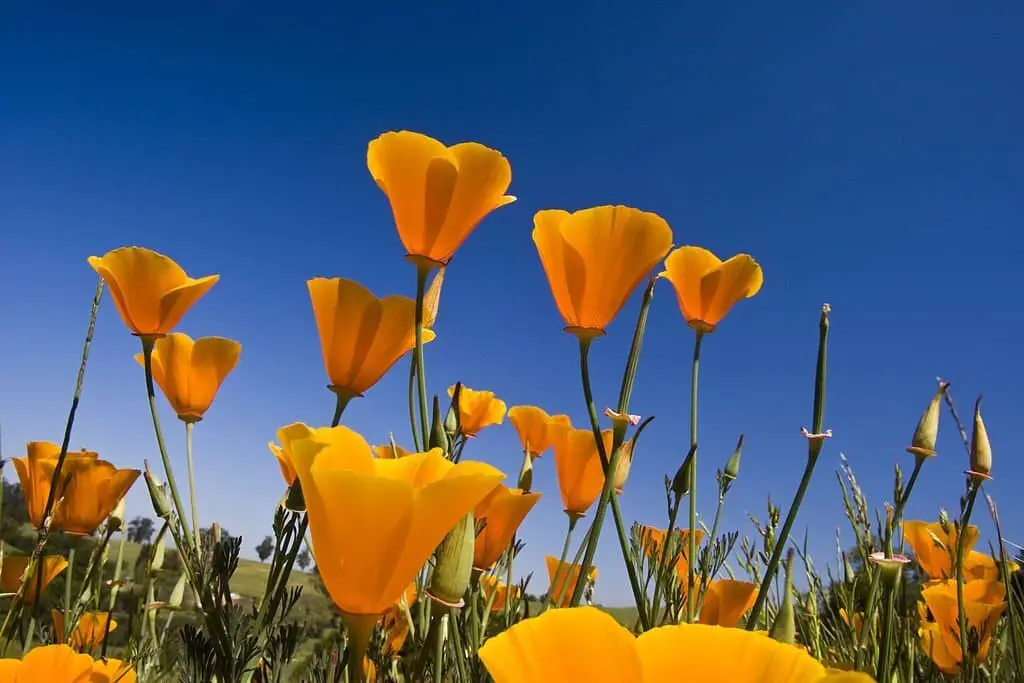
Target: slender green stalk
(421,377)
(69,580)
(442,636)
(1012,605)
(561,563)
(510,554)
(412,402)
(660,570)
(713,534)
(815,440)
(457,643)
(691,537)
(341,402)
(973,486)
(193,503)
(147,356)
(115,586)
(634,580)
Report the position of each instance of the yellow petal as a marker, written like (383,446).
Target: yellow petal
(55,663)
(706,287)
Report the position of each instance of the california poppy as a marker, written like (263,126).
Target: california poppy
(708,287)
(578,467)
(595,258)
(14,569)
(361,336)
(983,606)
(726,601)
(503,511)
(934,548)
(389,452)
(49,663)
(477,409)
(438,194)
(90,631)
(296,431)
(492,586)
(562,577)
(152,292)
(982,566)
(535,428)
(190,372)
(110,670)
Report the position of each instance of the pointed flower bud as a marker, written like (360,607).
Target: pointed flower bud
(451,419)
(732,468)
(157,494)
(927,432)
(784,626)
(681,482)
(454,564)
(981,449)
(116,519)
(438,439)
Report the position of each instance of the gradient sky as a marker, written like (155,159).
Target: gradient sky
(867,154)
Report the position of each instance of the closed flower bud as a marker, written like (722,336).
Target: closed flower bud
(622,467)
(981,449)
(451,419)
(157,494)
(116,519)
(526,474)
(681,482)
(438,438)
(295,501)
(454,565)
(784,626)
(732,468)
(927,432)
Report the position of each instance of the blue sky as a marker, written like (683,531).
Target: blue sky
(867,154)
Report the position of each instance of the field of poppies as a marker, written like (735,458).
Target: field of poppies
(426,585)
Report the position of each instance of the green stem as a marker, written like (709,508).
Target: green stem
(691,537)
(193,503)
(442,634)
(814,444)
(961,548)
(634,580)
(147,355)
(713,534)
(660,573)
(343,398)
(412,403)
(68,585)
(421,377)
(1012,606)
(561,565)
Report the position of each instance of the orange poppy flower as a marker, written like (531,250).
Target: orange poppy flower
(477,409)
(983,606)
(94,487)
(726,601)
(361,336)
(152,293)
(504,511)
(289,434)
(490,585)
(48,663)
(395,623)
(112,671)
(578,467)
(587,644)
(707,287)
(562,577)
(90,631)
(595,258)
(536,429)
(933,548)
(979,566)
(190,372)
(857,623)
(375,522)
(14,569)
(438,194)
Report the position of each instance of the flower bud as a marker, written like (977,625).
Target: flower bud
(116,519)
(438,438)
(157,550)
(451,418)
(526,474)
(621,473)
(732,468)
(981,449)
(454,565)
(784,626)
(157,494)
(927,432)
(295,500)
(681,482)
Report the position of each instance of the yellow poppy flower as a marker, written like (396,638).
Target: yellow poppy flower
(652,540)
(389,452)
(438,194)
(562,578)
(503,511)
(477,409)
(979,566)
(395,623)
(726,601)
(94,487)
(289,434)
(14,568)
(983,606)
(578,468)
(48,663)
(112,671)
(152,292)
(375,522)
(361,336)
(501,592)
(595,258)
(708,287)
(535,428)
(934,548)
(190,372)
(90,631)
(587,644)
(858,620)
(932,644)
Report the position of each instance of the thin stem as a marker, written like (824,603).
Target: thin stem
(442,634)
(713,534)
(421,377)
(68,584)
(634,580)
(412,403)
(193,503)
(147,356)
(961,548)
(691,538)
(341,402)
(660,573)
(1012,605)
(561,565)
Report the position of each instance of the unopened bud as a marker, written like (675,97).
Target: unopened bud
(215,533)
(981,449)
(454,565)
(438,438)
(784,626)
(116,519)
(681,482)
(625,461)
(451,418)
(157,494)
(432,300)
(927,432)
(732,468)
(157,550)
(848,574)
(295,500)
(526,474)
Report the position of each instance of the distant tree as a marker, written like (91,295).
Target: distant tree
(265,549)
(303,559)
(206,535)
(141,530)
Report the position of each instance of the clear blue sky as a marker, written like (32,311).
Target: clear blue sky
(867,154)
